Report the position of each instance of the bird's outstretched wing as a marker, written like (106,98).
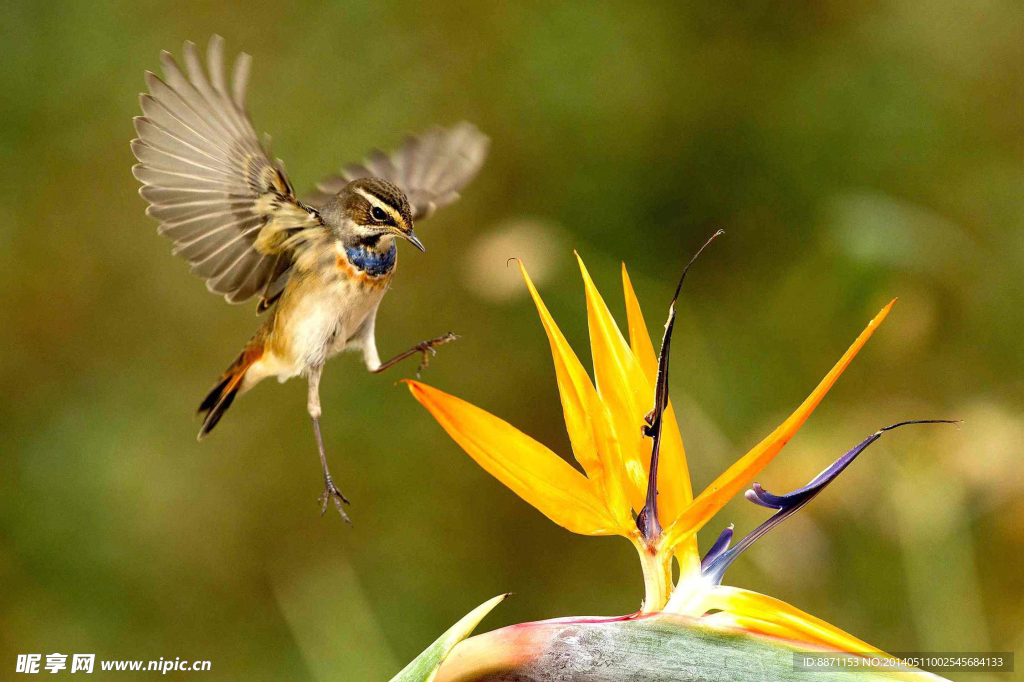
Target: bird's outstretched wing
(229,209)
(430,168)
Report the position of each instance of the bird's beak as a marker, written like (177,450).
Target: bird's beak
(414,240)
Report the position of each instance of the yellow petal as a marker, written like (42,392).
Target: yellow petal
(743,471)
(623,388)
(529,469)
(639,337)
(732,620)
(750,607)
(586,419)
(674,488)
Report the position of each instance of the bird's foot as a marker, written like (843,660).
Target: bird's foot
(331,492)
(428,348)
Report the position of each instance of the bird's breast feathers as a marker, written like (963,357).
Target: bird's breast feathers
(331,293)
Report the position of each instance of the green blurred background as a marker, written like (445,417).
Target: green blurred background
(852,151)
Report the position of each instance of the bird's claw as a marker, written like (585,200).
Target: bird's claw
(429,348)
(331,492)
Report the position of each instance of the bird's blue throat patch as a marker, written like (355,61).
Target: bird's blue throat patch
(373,263)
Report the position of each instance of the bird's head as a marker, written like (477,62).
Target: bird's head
(371,207)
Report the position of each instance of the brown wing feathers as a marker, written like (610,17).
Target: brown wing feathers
(430,168)
(209,181)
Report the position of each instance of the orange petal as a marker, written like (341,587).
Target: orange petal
(586,419)
(750,607)
(674,488)
(529,469)
(743,471)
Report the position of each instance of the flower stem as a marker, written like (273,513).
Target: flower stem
(657,567)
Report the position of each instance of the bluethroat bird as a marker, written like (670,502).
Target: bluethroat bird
(319,265)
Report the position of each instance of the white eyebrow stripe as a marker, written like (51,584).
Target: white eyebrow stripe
(374,201)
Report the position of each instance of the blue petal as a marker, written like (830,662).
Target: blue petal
(721,544)
(714,564)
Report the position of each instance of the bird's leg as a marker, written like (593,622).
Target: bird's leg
(331,491)
(425,347)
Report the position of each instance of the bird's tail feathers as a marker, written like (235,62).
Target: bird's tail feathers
(220,397)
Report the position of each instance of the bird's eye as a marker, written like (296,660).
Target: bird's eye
(378,213)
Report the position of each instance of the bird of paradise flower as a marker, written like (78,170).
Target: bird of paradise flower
(624,448)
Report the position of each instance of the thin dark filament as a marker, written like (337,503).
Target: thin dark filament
(647,520)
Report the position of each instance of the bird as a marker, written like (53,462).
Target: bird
(319,265)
